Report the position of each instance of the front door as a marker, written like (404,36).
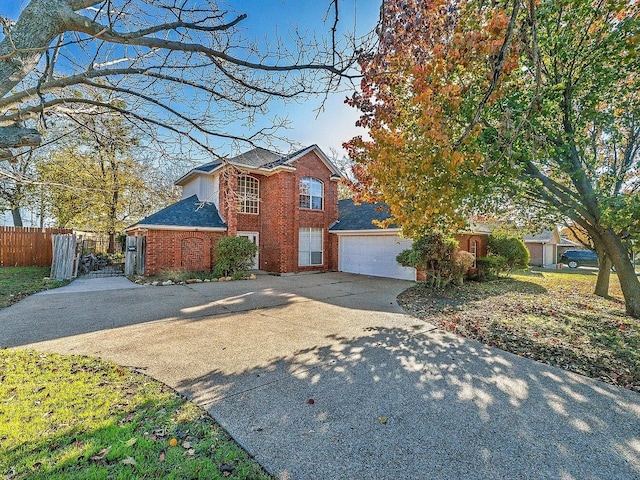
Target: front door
(253,238)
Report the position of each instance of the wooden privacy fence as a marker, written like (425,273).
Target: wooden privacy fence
(27,246)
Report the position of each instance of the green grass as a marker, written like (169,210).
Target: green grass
(19,282)
(551,317)
(75,417)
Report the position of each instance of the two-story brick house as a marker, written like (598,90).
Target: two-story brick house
(283,203)
(287,205)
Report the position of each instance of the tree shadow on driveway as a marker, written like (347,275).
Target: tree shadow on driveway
(420,403)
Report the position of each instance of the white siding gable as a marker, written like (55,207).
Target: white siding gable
(205,187)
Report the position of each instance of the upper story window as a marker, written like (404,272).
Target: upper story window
(311,193)
(248,194)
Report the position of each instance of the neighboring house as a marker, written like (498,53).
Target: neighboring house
(367,249)
(283,203)
(543,248)
(288,206)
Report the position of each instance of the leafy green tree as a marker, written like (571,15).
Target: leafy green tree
(537,99)
(98,182)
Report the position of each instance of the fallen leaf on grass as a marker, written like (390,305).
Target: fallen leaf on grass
(128,461)
(101,454)
(186,444)
(161,457)
(191,452)
(131,442)
(127,419)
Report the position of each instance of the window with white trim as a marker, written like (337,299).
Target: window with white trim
(310,247)
(248,194)
(311,193)
(473,250)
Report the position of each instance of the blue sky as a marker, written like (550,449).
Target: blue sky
(336,123)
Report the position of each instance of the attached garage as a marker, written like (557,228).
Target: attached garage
(374,254)
(365,248)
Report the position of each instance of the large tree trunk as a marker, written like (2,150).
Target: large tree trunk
(17,217)
(629,282)
(604,273)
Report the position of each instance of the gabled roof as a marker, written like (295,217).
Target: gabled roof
(188,212)
(256,158)
(565,242)
(264,160)
(546,236)
(360,217)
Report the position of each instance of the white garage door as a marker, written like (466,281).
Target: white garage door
(374,255)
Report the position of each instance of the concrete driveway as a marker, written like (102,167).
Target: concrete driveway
(394,397)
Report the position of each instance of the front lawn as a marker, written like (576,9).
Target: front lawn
(74,417)
(19,282)
(551,317)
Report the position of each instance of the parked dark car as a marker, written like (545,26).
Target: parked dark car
(578,258)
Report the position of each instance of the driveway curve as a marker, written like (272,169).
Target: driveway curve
(393,396)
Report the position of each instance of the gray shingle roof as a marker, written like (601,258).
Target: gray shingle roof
(208,167)
(360,217)
(542,237)
(189,212)
(258,157)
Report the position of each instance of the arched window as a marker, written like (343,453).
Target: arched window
(311,193)
(473,250)
(248,194)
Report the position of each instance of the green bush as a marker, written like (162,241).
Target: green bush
(234,256)
(489,268)
(511,248)
(439,256)
(410,258)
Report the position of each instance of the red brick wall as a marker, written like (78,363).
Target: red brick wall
(172,249)
(535,253)
(311,166)
(281,218)
(464,243)
(272,238)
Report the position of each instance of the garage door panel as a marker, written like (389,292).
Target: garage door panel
(374,255)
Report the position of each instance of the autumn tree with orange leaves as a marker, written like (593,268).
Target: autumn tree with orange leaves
(470,101)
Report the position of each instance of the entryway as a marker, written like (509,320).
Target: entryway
(253,238)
